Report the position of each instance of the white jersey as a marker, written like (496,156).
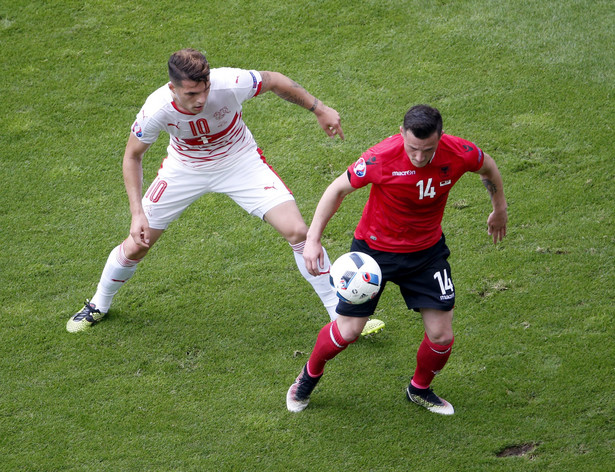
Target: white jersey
(211,138)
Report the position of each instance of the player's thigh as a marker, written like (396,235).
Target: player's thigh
(425,280)
(431,287)
(171,192)
(287,220)
(256,188)
(361,310)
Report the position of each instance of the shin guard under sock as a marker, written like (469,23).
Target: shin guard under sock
(430,359)
(116,273)
(320,283)
(328,345)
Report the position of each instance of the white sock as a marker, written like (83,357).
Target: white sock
(116,273)
(321,284)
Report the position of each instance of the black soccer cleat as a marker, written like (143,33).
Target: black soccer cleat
(427,399)
(298,395)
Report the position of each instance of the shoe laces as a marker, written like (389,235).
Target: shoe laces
(86,313)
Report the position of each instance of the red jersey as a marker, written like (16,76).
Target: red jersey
(406,204)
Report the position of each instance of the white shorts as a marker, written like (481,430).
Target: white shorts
(249,181)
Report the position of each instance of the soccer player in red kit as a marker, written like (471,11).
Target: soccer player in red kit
(411,175)
(211,150)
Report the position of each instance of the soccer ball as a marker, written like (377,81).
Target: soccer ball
(356,277)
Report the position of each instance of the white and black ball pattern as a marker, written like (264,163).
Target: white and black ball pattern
(356,277)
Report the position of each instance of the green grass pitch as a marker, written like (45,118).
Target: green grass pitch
(190,369)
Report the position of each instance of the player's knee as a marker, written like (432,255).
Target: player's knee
(296,233)
(350,328)
(134,252)
(138,254)
(442,339)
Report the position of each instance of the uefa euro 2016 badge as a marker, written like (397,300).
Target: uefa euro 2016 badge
(359,168)
(136,129)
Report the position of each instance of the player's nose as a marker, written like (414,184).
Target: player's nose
(421,156)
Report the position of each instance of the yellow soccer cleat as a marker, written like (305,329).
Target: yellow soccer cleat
(85,318)
(372,327)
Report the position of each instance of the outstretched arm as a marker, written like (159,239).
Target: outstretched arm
(291,91)
(492,180)
(327,207)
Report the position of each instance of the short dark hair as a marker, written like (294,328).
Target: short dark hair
(188,64)
(423,121)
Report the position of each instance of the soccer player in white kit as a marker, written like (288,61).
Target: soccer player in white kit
(210,150)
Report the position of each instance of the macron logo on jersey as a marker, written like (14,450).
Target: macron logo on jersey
(401,173)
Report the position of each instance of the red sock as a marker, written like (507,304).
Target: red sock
(328,345)
(430,359)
